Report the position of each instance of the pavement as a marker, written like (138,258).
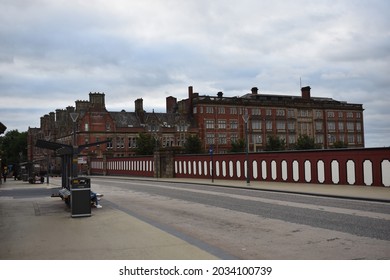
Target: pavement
(35,226)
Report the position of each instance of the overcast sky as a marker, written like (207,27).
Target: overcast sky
(55,52)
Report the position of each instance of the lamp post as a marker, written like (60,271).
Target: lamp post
(74,117)
(246,118)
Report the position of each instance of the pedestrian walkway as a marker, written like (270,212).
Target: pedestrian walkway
(41,227)
(34,225)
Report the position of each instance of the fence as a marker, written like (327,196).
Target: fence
(131,166)
(370,167)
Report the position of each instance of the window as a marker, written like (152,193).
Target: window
(280,113)
(350,126)
(256,112)
(331,126)
(256,124)
(280,125)
(291,125)
(194,110)
(318,126)
(109,144)
(209,124)
(233,124)
(210,138)
(291,139)
(291,113)
(304,113)
(257,139)
(120,142)
(359,139)
(358,127)
(221,110)
(268,112)
(221,124)
(319,138)
(341,115)
(233,137)
(269,125)
(86,128)
(351,138)
(358,115)
(350,115)
(233,110)
(132,142)
(222,138)
(341,126)
(331,114)
(319,114)
(209,110)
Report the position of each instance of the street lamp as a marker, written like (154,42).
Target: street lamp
(74,116)
(246,118)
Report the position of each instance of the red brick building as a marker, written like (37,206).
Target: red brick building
(221,120)
(217,120)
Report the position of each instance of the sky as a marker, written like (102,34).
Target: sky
(53,53)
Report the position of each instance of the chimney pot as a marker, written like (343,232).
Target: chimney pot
(306,92)
(254,90)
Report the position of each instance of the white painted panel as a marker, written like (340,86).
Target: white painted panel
(284,170)
(335,168)
(308,171)
(264,169)
(351,179)
(189,167)
(217,171)
(273,170)
(238,167)
(224,168)
(254,170)
(295,167)
(386,173)
(200,167)
(205,168)
(321,171)
(231,168)
(367,173)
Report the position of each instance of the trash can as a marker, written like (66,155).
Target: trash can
(80,199)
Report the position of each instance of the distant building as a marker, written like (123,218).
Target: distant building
(217,120)
(220,120)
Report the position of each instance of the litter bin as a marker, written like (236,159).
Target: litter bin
(80,199)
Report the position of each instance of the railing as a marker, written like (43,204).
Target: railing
(131,166)
(370,167)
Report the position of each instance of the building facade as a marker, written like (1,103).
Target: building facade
(221,120)
(217,120)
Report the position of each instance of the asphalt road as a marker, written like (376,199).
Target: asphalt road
(253,224)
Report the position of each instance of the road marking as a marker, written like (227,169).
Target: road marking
(338,210)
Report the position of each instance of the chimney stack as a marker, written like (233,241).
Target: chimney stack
(171,103)
(306,93)
(254,90)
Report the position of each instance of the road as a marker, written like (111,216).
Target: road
(252,224)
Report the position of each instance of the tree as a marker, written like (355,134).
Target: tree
(238,146)
(274,143)
(305,142)
(193,145)
(340,145)
(146,144)
(13,147)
